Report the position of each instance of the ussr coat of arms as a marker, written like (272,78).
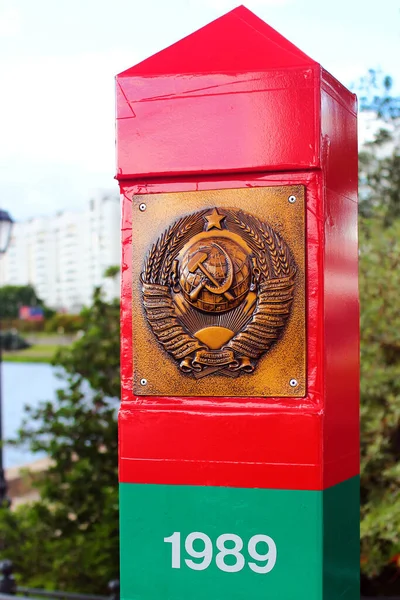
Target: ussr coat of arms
(218,288)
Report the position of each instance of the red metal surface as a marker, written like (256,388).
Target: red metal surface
(281,443)
(340,260)
(260,121)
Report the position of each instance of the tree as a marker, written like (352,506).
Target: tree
(69,538)
(379,160)
(375,94)
(380,350)
(380,398)
(12,297)
(380,175)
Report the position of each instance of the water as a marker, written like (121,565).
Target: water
(24,383)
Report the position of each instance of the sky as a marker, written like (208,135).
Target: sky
(58,60)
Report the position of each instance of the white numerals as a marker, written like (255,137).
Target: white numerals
(229,558)
(175,540)
(269,556)
(205,554)
(225,551)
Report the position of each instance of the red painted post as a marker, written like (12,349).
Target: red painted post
(239,450)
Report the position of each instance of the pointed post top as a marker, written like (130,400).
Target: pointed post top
(236,42)
(234,96)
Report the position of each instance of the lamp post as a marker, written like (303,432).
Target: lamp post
(6,224)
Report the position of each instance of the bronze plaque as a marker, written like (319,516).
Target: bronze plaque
(219,293)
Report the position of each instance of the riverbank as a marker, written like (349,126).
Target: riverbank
(42,350)
(34,354)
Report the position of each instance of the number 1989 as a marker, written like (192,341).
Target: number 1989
(227,544)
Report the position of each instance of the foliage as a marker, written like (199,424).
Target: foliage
(66,323)
(380,394)
(380,175)
(12,297)
(379,159)
(69,538)
(375,94)
(22,326)
(380,349)
(112,271)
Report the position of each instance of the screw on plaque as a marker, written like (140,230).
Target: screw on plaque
(142,207)
(293,382)
(292,199)
(143,381)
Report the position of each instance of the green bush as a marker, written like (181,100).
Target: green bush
(380,396)
(69,539)
(23,326)
(66,323)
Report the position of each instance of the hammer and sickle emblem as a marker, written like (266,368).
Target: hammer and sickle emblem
(196,262)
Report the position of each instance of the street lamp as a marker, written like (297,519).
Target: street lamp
(6,224)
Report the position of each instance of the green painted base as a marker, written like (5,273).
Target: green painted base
(279,544)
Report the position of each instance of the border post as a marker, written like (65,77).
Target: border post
(238,426)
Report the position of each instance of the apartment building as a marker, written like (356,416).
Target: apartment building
(64,256)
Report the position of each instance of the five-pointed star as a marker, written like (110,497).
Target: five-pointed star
(214,220)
